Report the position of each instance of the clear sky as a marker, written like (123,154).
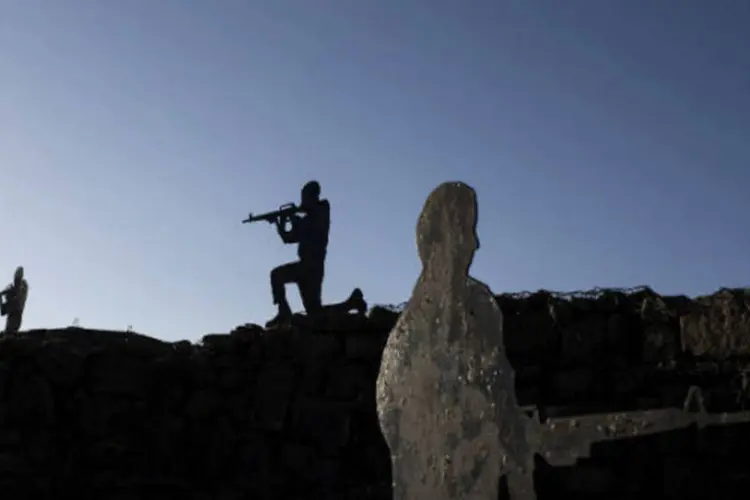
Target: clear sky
(608,141)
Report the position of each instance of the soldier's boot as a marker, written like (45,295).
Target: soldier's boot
(356,302)
(283,318)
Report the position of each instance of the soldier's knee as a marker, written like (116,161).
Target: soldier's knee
(276,273)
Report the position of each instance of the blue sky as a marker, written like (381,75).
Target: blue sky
(609,143)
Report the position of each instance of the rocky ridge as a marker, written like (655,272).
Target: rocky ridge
(270,415)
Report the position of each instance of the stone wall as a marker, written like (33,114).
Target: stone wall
(272,415)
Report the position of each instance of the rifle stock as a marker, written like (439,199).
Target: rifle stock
(563,441)
(286,210)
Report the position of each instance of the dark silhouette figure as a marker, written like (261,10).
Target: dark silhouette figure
(13,302)
(446,391)
(310,232)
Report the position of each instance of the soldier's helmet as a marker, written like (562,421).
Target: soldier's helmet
(310,193)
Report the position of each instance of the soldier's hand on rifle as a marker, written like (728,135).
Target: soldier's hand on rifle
(280,225)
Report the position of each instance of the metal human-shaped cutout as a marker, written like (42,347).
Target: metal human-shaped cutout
(446,391)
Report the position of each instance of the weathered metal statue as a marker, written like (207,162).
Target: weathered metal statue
(446,391)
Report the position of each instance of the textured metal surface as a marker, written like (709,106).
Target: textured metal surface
(564,441)
(446,392)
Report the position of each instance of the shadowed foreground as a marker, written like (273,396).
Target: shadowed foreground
(270,415)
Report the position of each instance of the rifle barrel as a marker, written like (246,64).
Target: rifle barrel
(288,209)
(562,441)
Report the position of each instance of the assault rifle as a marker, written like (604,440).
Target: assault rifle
(284,212)
(562,441)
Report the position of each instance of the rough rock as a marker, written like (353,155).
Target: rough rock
(269,415)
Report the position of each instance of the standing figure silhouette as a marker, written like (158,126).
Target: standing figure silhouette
(446,391)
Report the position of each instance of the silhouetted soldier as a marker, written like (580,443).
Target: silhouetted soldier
(14,301)
(311,234)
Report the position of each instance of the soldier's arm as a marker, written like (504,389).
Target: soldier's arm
(325,214)
(316,223)
(314,226)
